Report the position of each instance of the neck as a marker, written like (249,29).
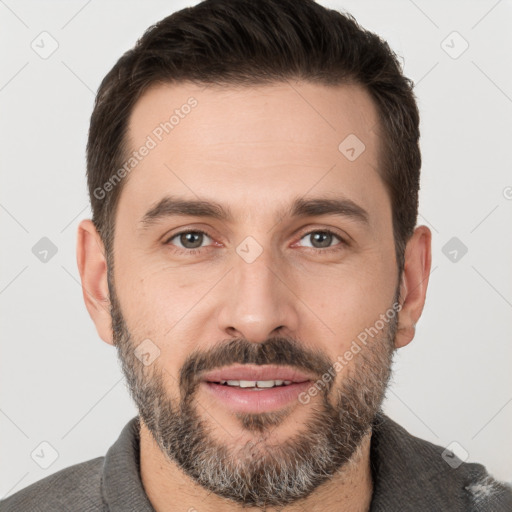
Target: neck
(168,488)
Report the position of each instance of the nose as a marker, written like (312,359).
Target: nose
(259,300)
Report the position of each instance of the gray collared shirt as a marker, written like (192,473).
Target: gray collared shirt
(409,474)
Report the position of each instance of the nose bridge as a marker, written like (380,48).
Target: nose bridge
(259,301)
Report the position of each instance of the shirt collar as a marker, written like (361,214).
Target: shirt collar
(410,473)
(122,487)
(407,472)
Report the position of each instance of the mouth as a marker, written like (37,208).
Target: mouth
(254,384)
(253,389)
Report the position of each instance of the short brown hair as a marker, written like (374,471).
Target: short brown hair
(253,42)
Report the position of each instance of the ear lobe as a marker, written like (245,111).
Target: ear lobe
(414,282)
(92,266)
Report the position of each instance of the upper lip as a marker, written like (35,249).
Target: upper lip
(256,373)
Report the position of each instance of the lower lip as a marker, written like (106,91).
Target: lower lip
(256,400)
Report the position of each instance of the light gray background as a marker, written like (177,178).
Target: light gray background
(61,384)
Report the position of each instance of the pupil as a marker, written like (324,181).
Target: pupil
(188,238)
(327,237)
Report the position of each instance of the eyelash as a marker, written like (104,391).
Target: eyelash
(199,250)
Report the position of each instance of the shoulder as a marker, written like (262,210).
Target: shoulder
(76,487)
(415,473)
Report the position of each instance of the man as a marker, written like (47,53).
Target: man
(253,169)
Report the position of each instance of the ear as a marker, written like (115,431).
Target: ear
(92,265)
(413,285)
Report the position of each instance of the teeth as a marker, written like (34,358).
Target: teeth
(269,383)
(254,383)
(244,383)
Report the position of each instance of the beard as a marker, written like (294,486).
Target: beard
(260,473)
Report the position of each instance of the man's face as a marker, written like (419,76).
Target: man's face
(263,290)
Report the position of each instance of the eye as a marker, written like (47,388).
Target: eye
(322,240)
(187,241)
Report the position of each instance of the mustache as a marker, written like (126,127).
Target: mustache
(275,351)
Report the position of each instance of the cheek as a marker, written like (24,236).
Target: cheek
(347,300)
(161,301)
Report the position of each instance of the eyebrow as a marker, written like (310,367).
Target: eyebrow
(170,206)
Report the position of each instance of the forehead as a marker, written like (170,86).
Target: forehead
(248,145)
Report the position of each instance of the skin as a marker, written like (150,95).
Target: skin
(253,149)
